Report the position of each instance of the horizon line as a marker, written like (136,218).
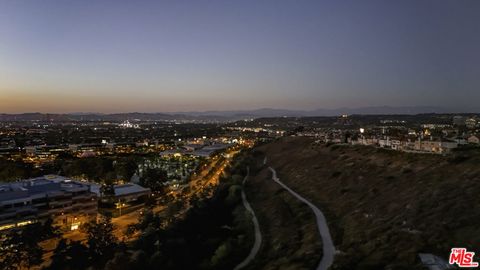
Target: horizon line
(435,109)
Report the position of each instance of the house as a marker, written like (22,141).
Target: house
(471,123)
(460,140)
(447,146)
(427,146)
(409,145)
(384,143)
(396,144)
(473,139)
(371,141)
(435,146)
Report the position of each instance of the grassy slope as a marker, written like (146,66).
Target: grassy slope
(383,206)
(290,236)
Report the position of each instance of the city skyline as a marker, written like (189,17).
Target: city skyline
(123,56)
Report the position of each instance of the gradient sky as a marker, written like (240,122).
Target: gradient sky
(157,56)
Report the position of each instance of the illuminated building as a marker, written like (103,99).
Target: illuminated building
(69,203)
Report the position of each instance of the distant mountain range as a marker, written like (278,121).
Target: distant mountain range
(268,112)
(222,116)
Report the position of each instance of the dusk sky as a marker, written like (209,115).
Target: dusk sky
(159,56)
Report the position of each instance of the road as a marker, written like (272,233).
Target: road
(121,223)
(210,175)
(327,242)
(258,234)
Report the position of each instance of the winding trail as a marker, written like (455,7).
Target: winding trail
(328,247)
(258,234)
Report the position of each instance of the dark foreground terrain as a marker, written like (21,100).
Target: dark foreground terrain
(383,207)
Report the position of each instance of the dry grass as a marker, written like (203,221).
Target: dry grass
(383,207)
(290,236)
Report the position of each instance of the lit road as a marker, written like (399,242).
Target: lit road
(327,242)
(215,169)
(208,177)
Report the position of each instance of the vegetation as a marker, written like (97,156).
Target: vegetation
(101,241)
(20,248)
(290,238)
(100,169)
(383,207)
(15,170)
(215,233)
(71,255)
(100,247)
(154,179)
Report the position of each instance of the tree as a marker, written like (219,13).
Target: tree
(154,179)
(147,240)
(77,254)
(139,260)
(107,189)
(59,257)
(237,179)
(69,255)
(234,194)
(220,253)
(173,209)
(127,168)
(48,230)
(156,260)
(101,240)
(120,261)
(20,248)
(14,170)
(147,220)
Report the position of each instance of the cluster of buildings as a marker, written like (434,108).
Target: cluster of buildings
(265,129)
(407,143)
(438,146)
(177,167)
(6,143)
(67,202)
(127,124)
(43,154)
(198,149)
(439,138)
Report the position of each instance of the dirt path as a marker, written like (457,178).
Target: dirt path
(328,247)
(258,234)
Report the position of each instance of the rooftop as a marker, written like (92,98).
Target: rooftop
(121,190)
(39,186)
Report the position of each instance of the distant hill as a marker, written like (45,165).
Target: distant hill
(108,117)
(269,112)
(221,116)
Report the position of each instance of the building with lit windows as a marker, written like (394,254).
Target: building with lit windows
(67,202)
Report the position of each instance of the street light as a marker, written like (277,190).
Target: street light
(120,205)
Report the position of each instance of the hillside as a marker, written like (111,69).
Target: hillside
(290,236)
(383,207)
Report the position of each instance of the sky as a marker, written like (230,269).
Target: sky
(179,55)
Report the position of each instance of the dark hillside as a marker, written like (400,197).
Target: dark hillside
(383,207)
